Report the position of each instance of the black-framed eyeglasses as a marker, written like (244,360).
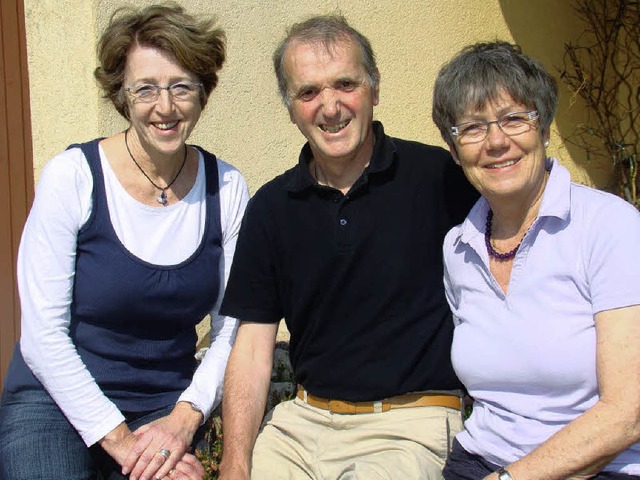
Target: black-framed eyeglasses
(179,91)
(511,124)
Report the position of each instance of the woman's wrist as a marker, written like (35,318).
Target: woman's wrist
(191,412)
(115,435)
(503,474)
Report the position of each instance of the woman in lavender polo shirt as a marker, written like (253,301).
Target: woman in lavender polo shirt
(543,278)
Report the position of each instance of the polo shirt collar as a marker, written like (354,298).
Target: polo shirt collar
(556,202)
(384,153)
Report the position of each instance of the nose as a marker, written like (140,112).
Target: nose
(496,138)
(165,104)
(330,101)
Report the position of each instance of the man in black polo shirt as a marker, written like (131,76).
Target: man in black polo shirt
(347,247)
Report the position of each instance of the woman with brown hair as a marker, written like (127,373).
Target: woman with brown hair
(127,247)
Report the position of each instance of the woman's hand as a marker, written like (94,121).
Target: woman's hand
(188,468)
(118,443)
(161,446)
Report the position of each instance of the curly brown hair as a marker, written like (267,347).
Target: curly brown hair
(196,44)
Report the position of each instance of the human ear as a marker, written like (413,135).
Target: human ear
(376,88)
(454,153)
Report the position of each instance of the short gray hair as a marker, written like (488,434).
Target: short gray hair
(326,30)
(478,74)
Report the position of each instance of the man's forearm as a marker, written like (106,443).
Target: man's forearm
(247,380)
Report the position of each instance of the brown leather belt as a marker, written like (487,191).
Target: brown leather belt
(407,400)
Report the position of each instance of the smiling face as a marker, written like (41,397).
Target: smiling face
(504,167)
(162,126)
(331,100)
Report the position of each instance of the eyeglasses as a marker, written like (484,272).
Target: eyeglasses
(510,124)
(148,93)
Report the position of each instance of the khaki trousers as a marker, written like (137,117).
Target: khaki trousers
(298,441)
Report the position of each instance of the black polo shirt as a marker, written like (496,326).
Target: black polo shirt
(357,277)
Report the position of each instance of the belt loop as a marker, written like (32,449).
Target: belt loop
(377,407)
(304,394)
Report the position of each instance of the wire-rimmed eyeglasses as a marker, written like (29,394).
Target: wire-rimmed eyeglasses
(511,124)
(147,92)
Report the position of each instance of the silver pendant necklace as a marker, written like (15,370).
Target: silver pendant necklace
(162,199)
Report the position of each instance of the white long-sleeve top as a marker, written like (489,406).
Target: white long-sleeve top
(161,236)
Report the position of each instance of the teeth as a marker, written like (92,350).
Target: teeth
(166,126)
(508,163)
(334,128)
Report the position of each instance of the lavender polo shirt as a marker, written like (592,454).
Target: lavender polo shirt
(529,357)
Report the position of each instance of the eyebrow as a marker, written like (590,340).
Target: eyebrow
(172,80)
(305,86)
(471,117)
(350,78)
(344,78)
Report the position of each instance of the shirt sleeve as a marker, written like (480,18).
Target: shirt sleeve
(46,270)
(613,256)
(205,390)
(252,292)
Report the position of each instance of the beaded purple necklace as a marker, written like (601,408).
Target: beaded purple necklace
(487,242)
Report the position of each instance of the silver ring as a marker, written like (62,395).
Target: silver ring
(165,453)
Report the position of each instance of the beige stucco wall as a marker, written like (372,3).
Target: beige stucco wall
(245,122)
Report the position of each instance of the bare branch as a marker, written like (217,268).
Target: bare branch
(603,69)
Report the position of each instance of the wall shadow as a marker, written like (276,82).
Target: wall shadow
(542,28)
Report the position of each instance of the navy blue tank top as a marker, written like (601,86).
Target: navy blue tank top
(132,322)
